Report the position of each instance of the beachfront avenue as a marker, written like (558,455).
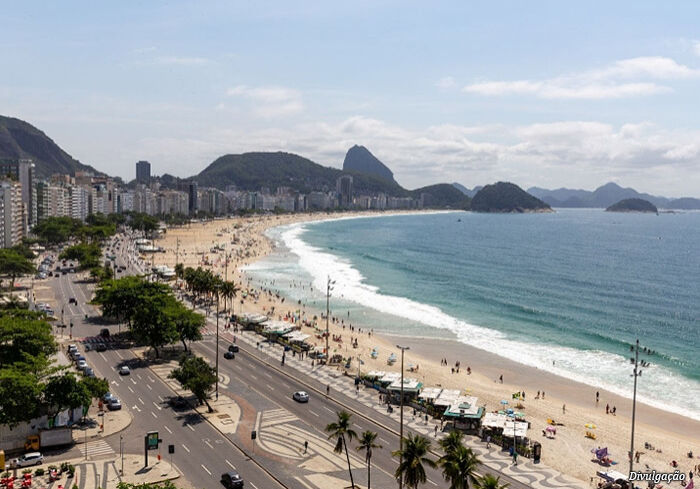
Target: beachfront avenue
(263,397)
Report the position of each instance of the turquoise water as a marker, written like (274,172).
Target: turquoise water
(576,287)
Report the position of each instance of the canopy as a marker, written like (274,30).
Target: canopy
(494,420)
(296,336)
(276,327)
(409,385)
(464,407)
(375,374)
(447,397)
(428,393)
(390,377)
(611,475)
(518,429)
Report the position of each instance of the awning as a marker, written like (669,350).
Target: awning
(428,393)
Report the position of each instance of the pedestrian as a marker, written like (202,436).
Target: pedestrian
(306,445)
(328,390)
(435,431)
(563,409)
(515,457)
(607,409)
(597,397)
(488,441)
(501,378)
(542,394)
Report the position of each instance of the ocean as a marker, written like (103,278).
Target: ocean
(568,291)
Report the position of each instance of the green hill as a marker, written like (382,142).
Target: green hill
(506,197)
(19,139)
(633,205)
(443,195)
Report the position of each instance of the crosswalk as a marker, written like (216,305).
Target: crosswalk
(97,448)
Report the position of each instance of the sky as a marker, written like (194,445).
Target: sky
(545,93)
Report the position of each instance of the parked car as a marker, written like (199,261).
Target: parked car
(75,354)
(114,404)
(124,370)
(300,396)
(72,300)
(100,347)
(231,480)
(89,372)
(72,348)
(229,355)
(104,332)
(80,358)
(233,348)
(82,365)
(28,459)
(107,397)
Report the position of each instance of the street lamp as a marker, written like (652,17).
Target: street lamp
(329,288)
(636,372)
(217,287)
(403,349)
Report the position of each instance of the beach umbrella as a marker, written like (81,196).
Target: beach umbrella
(504,402)
(590,426)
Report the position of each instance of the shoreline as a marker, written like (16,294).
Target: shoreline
(569,453)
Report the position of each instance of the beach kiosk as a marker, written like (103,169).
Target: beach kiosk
(465,414)
(411,388)
(249,320)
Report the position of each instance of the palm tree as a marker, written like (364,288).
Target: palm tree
(342,432)
(228,291)
(489,481)
(452,441)
(413,457)
(458,467)
(366,443)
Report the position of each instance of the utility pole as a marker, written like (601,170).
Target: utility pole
(637,372)
(329,288)
(217,343)
(177,251)
(403,349)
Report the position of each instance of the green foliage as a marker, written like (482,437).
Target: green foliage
(65,392)
(142,222)
(57,230)
(413,458)
(95,386)
(102,273)
(505,197)
(39,472)
(13,264)
(633,205)
(366,443)
(188,324)
(87,254)
(23,338)
(341,430)
(443,195)
(19,391)
(195,375)
(489,481)
(459,465)
(147,485)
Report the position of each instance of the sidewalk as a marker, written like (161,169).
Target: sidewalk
(112,422)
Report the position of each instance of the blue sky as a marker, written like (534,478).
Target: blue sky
(539,93)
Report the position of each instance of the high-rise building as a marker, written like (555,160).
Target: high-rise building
(143,172)
(12,216)
(192,192)
(343,187)
(23,171)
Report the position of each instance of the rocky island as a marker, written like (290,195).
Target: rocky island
(505,197)
(633,205)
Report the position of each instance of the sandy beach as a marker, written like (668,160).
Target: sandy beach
(671,435)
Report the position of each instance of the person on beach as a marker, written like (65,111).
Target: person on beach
(597,397)
(563,409)
(607,409)
(501,378)
(614,411)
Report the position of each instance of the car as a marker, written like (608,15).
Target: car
(72,300)
(72,348)
(75,354)
(89,372)
(79,358)
(231,480)
(124,370)
(233,348)
(72,270)
(28,459)
(300,396)
(100,347)
(107,397)
(82,365)
(114,404)
(229,355)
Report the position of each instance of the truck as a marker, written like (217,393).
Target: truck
(49,438)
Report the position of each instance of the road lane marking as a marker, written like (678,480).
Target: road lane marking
(151,379)
(270,387)
(133,381)
(161,398)
(154,415)
(168,429)
(190,427)
(431,482)
(157,406)
(149,387)
(328,409)
(254,486)
(185,447)
(267,375)
(205,469)
(253,376)
(383,440)
(103,356)
(208,444)
(230,464)
(313,413)
(119,354)
(129,387)
(139,376)
(141,401)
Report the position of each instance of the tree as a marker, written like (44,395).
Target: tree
(151,324)
(179,270)
(413,458)
(147,485)
(187,323)
(56,230)
(65,392)
(87,254)
(228,291)
(14,264)
(195,375)
(342,432)
(96,387)
(489,481)
(19,391)
(459,466)
(23,339)
(366,444)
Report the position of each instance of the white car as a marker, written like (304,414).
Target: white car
(28,459)
(124,370)
(300,396)
(82,365)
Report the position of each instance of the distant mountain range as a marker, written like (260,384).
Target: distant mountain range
(358,159)
(504,197)
(469,193)
(19,139)
(605,196)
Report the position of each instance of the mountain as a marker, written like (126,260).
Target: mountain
(602,197)
(470,193)
(506,197)
(685,203)
(19,139)
(633,205)
(443,195)
(358,159)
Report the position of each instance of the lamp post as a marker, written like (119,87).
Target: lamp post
(329,288)
(217,342)
(403,349)
(636,372)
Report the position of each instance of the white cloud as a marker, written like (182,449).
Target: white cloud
(270,101)
(446,82)
(610,82)
(696,47)
(182,60)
